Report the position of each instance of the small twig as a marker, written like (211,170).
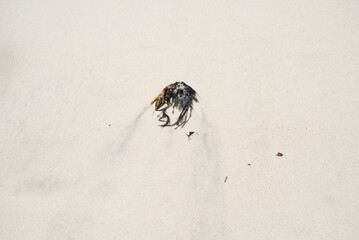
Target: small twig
(189,135)
(225,180)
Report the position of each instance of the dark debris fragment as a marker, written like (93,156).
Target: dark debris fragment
(190,134)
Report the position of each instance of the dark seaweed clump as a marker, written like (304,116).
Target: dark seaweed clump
(180,96)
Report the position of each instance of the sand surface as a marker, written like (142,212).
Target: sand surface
(81,159)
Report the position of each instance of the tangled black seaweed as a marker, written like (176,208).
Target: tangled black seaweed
(180,96)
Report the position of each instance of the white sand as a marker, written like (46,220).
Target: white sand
(273,76)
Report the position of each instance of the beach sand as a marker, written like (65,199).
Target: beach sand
(82,155)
